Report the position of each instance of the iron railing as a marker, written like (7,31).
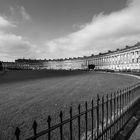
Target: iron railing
(103,119)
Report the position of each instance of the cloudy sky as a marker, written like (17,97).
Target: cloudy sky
(66,28)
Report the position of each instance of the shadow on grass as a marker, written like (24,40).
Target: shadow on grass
(23,75)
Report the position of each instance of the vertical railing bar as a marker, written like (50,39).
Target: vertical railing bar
(49,126)
(34,126)
(120,109)
(17,133)
(117,110)
(86,121)
(92,123)
(107,117)
(124,98)
(102,117)
(97,113)
(71,123)
(127,96)
(110,114)
(114,105)
(125,105)
(79,123)
(131,93)
(61,126)
(114,111)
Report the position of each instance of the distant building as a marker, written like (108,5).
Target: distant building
(8,65)
(29,63)
(66,64)
(127,58)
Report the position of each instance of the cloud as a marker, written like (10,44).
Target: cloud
(19,13)
(5,23)
(24,14)
(13,46)
(104,32)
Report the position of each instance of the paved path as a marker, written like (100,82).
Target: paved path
(136,76)
(136,134)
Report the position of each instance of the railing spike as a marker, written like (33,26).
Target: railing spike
(17,133)
(34,126)
(49,126)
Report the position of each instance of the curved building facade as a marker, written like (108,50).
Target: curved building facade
(127,58)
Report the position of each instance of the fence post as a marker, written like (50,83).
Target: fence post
(110,114)
(114,112)
(123,106)
(35,128)
(97,113)
(129,94)
(49,126)
(127,97)
(123,99)
(17,133)
(117,116)
(102,117)
(86,121)
(107,117)
(71,123)
(79,122)
(92,127)
(121,103)
(61,125)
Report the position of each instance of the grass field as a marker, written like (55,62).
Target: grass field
(23,101)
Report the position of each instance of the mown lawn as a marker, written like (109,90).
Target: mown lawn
(23,101)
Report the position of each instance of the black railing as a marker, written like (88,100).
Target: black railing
(104,119)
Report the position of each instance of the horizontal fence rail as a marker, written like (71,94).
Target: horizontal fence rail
(103,119)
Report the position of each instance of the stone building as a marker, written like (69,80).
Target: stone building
(127,58)
(29,64)
(66,64)
(8,65)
